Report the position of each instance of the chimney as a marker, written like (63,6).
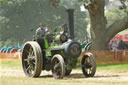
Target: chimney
(70,23)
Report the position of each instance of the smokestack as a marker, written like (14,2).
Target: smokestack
(70,23)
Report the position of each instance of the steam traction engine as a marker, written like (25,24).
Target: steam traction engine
(60,54)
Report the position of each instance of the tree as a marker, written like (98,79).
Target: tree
(18,17)
(114,15)
(3,1)
(100,32)
(21,16)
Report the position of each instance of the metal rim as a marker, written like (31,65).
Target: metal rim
(32,59)
(58,67)
(73,49)
(88,65)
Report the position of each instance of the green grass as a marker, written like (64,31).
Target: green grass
(99,66)
(10,64)
(113,66)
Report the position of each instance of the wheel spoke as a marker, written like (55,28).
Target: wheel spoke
(27,51)
(88,59)
(32,53)
(90,70)
(55,61)
(34,57)
(32,67)
(26,60)
(30,49)
(34,63)
(87,71)
(28,69)
(59,71)
(57,67)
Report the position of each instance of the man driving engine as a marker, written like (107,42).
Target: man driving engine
(40,33)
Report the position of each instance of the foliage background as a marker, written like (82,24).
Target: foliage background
(18,17)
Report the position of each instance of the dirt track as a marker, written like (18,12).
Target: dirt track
(110,75)
(101,77)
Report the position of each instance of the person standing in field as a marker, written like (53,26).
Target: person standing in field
(115,46)
(115,49)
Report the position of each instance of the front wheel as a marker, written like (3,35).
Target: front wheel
(88,65)
(58,66)
(32,59)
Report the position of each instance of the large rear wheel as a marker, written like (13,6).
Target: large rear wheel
(32,59)
(88,65)
(58,66)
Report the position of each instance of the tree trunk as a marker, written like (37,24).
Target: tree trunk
(100,34)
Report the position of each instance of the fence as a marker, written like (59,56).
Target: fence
(102,57)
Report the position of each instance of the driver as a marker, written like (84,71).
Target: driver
(47,30)
(40,33)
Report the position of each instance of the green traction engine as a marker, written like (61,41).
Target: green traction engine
(59,56)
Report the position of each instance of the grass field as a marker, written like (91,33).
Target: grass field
(17,63)
(11,73)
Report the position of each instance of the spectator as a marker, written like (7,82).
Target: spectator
(115,46)
(121,45)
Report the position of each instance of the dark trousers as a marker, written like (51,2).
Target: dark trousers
(41,43)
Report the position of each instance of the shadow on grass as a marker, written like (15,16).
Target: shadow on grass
(74,75)
(45,76)
(106,76)
(80,75)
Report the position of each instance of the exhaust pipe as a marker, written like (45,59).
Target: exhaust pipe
(70,23)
